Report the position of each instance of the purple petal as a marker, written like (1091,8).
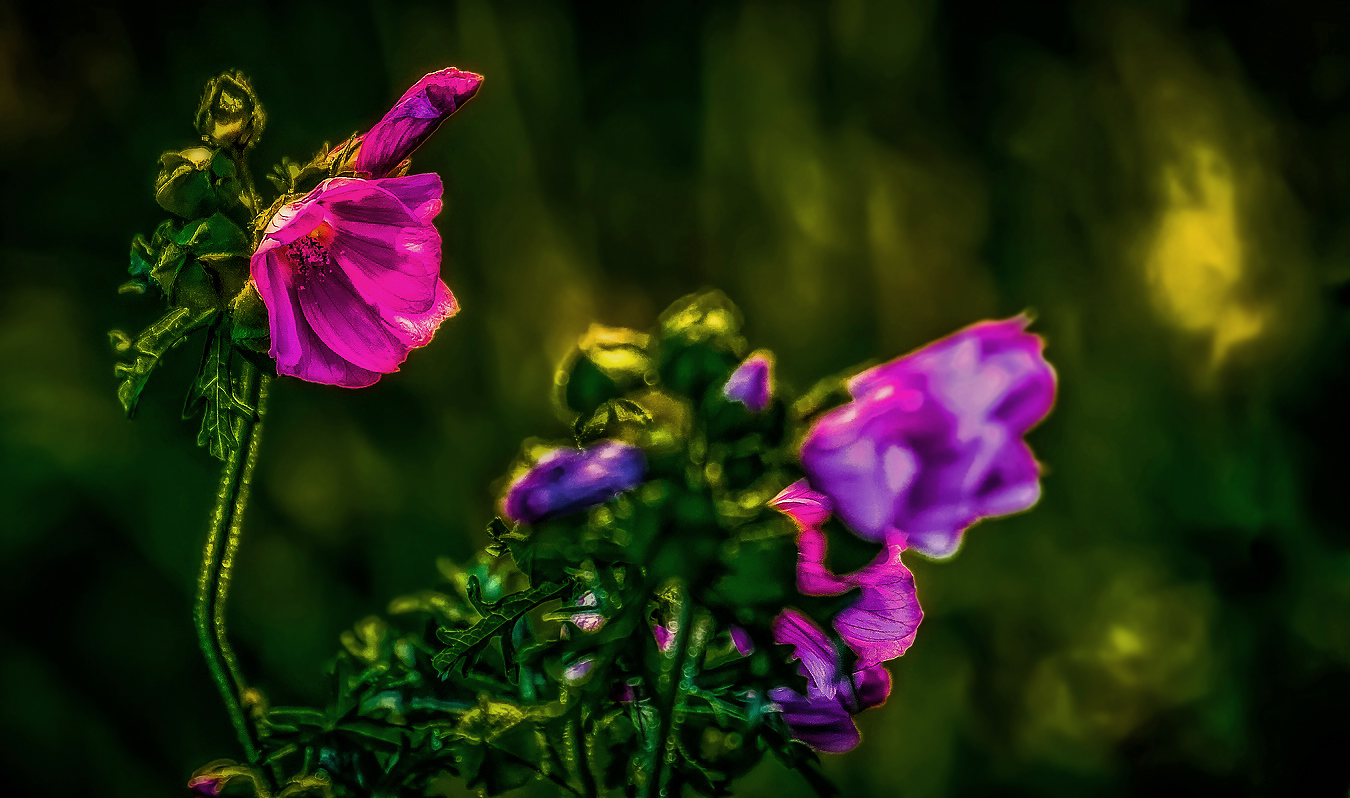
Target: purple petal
(932,441)
(813,577)
(663,637)
(820,661)
(882,623)
(871,687)
(412,120)
(588,621)
(820,722)
(751,382)
(803,505)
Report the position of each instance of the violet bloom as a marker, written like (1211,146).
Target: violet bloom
(881,624)
(568,480)
(350,275)
(751,382)
(823,718)
(932,442)
(412,120)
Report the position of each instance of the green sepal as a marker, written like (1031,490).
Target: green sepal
(700,343)
(616,419)
(608,363)
(148,347)
(221,393)
(197,182)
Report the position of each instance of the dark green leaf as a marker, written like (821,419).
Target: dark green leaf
(148,347)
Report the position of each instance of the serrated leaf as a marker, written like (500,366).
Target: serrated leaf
(148,347)
(497,620)
(219,394)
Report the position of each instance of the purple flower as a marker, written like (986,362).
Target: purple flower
(932,442)
(751,382)
(350,275)
(823,718)
(567,480)
(881,624)
(413,119)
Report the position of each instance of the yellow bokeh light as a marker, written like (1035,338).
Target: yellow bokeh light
(1195,262)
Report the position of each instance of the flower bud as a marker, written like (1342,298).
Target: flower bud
(751,383)
(567,480)
(230,114)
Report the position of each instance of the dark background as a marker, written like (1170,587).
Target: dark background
(1165,185)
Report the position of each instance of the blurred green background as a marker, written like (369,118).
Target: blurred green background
(1165,185)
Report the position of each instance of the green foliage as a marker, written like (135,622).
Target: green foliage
(199,262)
(543,662)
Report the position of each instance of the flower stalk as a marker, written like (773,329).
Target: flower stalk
(218,559)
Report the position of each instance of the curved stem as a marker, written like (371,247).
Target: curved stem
(218,558)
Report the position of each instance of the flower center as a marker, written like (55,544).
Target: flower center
(310,253)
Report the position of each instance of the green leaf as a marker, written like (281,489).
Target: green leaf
(497,620)
(148,347)
(220,394)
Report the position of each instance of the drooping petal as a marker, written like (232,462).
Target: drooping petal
(882,623)
(820,722)
(347,324)
(811,647)
(412,120)
(807,507)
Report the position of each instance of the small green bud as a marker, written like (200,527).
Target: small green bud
(230,114)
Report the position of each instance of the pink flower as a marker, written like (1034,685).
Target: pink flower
(350,275)
(412,120)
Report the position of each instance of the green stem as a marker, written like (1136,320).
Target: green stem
(218,558)
(671,687)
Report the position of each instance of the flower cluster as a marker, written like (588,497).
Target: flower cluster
(927,445)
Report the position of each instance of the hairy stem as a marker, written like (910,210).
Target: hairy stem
(218,558)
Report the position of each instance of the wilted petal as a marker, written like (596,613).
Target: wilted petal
(412,120)
(820,722)
(807,507)
(882,623)
(811,647)
(568,480)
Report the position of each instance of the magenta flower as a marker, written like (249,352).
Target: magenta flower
(881,624)
(350,275)
(932,442)
(565,481)
(412,120)
(751,382)
(823,718)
